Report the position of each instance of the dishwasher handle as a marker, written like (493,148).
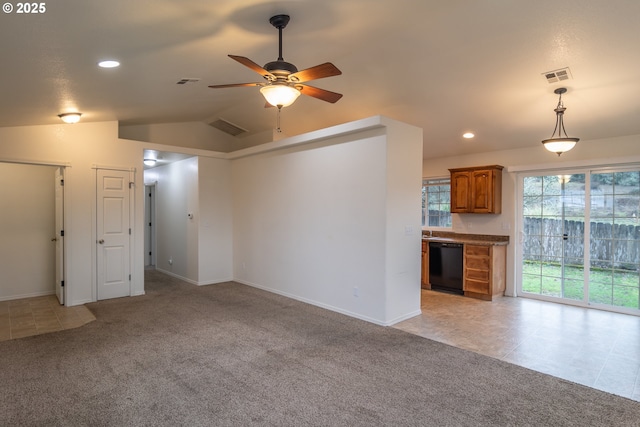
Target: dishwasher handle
(445,245)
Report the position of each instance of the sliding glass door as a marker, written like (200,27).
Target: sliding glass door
(580,238)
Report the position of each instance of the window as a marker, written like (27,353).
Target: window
(436,202)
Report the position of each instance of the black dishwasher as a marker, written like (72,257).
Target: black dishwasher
(445,267)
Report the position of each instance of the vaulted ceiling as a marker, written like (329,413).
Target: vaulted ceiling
(445,66)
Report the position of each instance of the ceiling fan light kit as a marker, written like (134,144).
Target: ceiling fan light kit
(559,144)
(284,83)
(280,95)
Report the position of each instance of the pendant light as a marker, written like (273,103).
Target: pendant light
(559,144)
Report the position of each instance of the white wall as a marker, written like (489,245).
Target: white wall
(81,147)
(325,221)
(215,221)
(27,254)
(403,192)
(594,152)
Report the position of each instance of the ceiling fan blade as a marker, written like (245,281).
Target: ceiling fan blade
(235,85)
(318,72)
(322,94)
(255,67)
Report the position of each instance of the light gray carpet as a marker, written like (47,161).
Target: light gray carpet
(232,355)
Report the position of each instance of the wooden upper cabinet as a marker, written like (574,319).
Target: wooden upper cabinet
(476,190)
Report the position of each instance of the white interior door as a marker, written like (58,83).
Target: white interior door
(113,234)
(59,237)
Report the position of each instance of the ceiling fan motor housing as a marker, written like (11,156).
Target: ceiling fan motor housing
(280,67)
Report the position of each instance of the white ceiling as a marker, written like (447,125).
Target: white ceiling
(445,66)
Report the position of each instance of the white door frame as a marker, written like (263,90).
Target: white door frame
(150,231)
(59,236)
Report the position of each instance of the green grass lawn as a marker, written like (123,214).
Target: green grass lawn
(612,287)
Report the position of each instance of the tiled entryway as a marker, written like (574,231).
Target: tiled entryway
(595,348)
(32,316)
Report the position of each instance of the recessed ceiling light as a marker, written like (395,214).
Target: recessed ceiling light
(108,64)
(468,135)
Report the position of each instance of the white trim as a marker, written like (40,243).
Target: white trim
(30,295)
(195,282)
(327,306)
(371,123)
(35,162)
(114,168)
(613,162)
(177,276)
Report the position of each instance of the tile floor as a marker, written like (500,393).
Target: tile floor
(592,347)
(32,316)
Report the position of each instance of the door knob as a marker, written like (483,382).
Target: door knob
(101,241)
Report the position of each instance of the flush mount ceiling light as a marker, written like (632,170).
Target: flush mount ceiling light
(468,135)
(109,63)
(559,144)
(70,117)
(149,162)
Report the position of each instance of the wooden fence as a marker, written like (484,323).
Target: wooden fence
(611,245)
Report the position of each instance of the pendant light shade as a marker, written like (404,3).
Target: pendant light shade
(280,95)
(559,144)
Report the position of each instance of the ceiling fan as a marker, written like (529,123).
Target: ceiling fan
(283,82)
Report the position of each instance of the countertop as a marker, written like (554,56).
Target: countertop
(475,239)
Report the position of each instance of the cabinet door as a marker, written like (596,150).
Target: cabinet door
(482,191)
(460,186)
(425,266)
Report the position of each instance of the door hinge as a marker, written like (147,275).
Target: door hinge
(62,182)
(149,253)
(62,283)
(131,185)
(61,233)
(129,232)
(129,277)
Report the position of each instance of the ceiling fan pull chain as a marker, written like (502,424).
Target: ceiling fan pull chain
(278,120)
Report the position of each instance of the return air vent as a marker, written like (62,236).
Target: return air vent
(185,81)
(227,127)
(556,76)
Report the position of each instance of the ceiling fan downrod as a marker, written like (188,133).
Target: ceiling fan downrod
(280,22)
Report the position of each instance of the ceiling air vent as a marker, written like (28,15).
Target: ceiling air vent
(227,127)
(185,81)
(556,76)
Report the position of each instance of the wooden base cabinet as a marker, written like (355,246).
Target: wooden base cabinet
(484,271)
(425,266)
